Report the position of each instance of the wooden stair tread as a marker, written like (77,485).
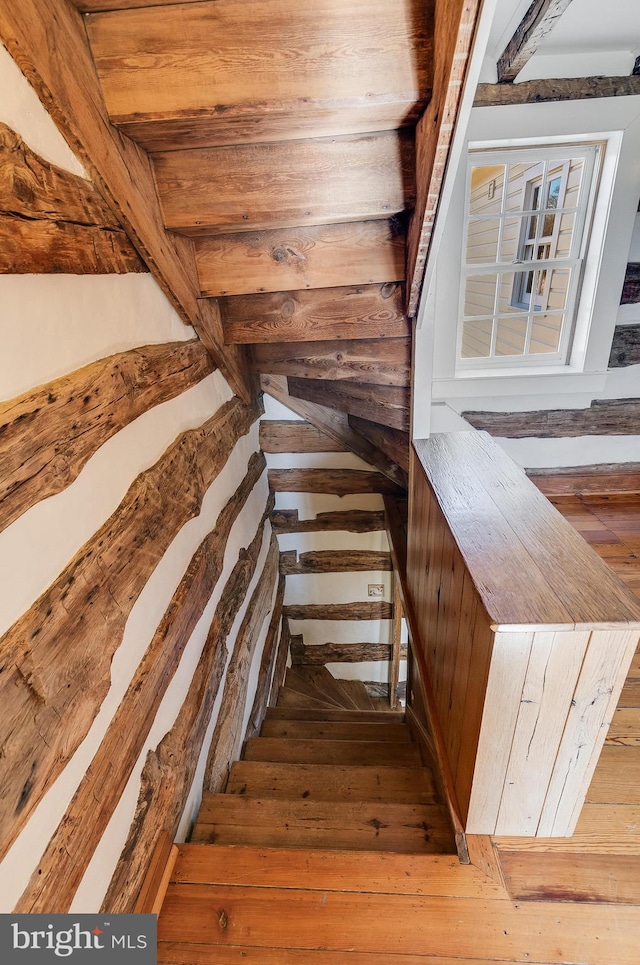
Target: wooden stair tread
(335,730)
(302,682)
(333,714)
(286,750)
(322,681)
(358,693)
(327,782)
(362,825)
(289,699)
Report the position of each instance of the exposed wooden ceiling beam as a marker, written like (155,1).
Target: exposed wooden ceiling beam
(557,89)
(537,23)
(362,312)
(335,425)
(386,404)
(393,442)
(49,43)
(381,361)
(604,417)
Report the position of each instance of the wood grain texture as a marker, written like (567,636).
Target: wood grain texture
(280,666)
(353,312)
(335,730)
(604,417)
(255,187)
(48,434)
(394,443)
(625,348)
(334,561)
(537,23)
(227,737)
(292,435)
(267,665)
(56,657)
(340,482)
(386,404)
(351,521)
(602,479)
(325,256)
(544,91)
(324,782)
(321,654)
(365,610)
(235,364)
(455,24)
(380,361)
(71,847)
(572,877)
(159,872)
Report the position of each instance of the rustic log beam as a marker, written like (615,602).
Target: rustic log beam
(47,38)
(601,479)
(165,787)
(386,404)
(535,26)
(267,665)
(333,561)
(350,521)
(55,660)
(48,434)
(363,610)
(339,482)
(316,314)
(319,655)
(380,361)
(63,864)
(282,656)
(394,443)
(625,349)
(455,24)
(237,367)
(334,424)
(291,435)
(604,417)
(546,90)
(227,736)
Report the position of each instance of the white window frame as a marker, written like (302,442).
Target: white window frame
(545,154)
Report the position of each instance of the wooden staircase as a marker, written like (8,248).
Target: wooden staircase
(332,794)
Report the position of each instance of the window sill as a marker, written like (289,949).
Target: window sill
(510,382)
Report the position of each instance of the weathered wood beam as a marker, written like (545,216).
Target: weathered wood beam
(535,26)
(47,39)
(350,521)
(291,435)
(339,482)
(596,480)
(55,660)
(604,417)
(398,650)
(258,186)
(64,862)
(48,434)
(455,23)
(319,655)
(324,256)
(631,286)
(393,442)
(282,656)
(237,368)
(625,348)
(335,425)
(362,610)
(386,404)
(227,737)
(54,221)
(165,787)
(267,665)
(379,361)
(547,90)
(354,312)
(333,561)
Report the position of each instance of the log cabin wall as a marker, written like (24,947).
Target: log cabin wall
(138,567)
(330,521)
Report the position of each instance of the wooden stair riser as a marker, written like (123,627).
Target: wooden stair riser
(370,753)
(364,716)
(318,730)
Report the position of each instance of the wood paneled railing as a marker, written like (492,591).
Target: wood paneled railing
(523,634)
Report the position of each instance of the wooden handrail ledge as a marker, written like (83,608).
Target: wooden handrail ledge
(526,634)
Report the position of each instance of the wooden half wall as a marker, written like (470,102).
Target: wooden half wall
(527,636)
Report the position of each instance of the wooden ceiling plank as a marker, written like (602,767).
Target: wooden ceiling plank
(189,63)
(381,361)
(393,442)
(455,23)
(360,312)
(323,256)
(549,90)
(259,186)
(335,425)
(535,26)
(48,41)
(386,404)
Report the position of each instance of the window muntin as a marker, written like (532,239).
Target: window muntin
(524,208)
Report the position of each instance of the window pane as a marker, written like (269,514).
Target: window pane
(516,289)
(482,241)
(565,235)
(486,187)
(511,334)
(476,339)
(545,333)
(574,181)
(556,288)
(480,295)
(510,239)
(520,175)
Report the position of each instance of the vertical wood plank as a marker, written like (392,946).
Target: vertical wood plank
(394,663)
